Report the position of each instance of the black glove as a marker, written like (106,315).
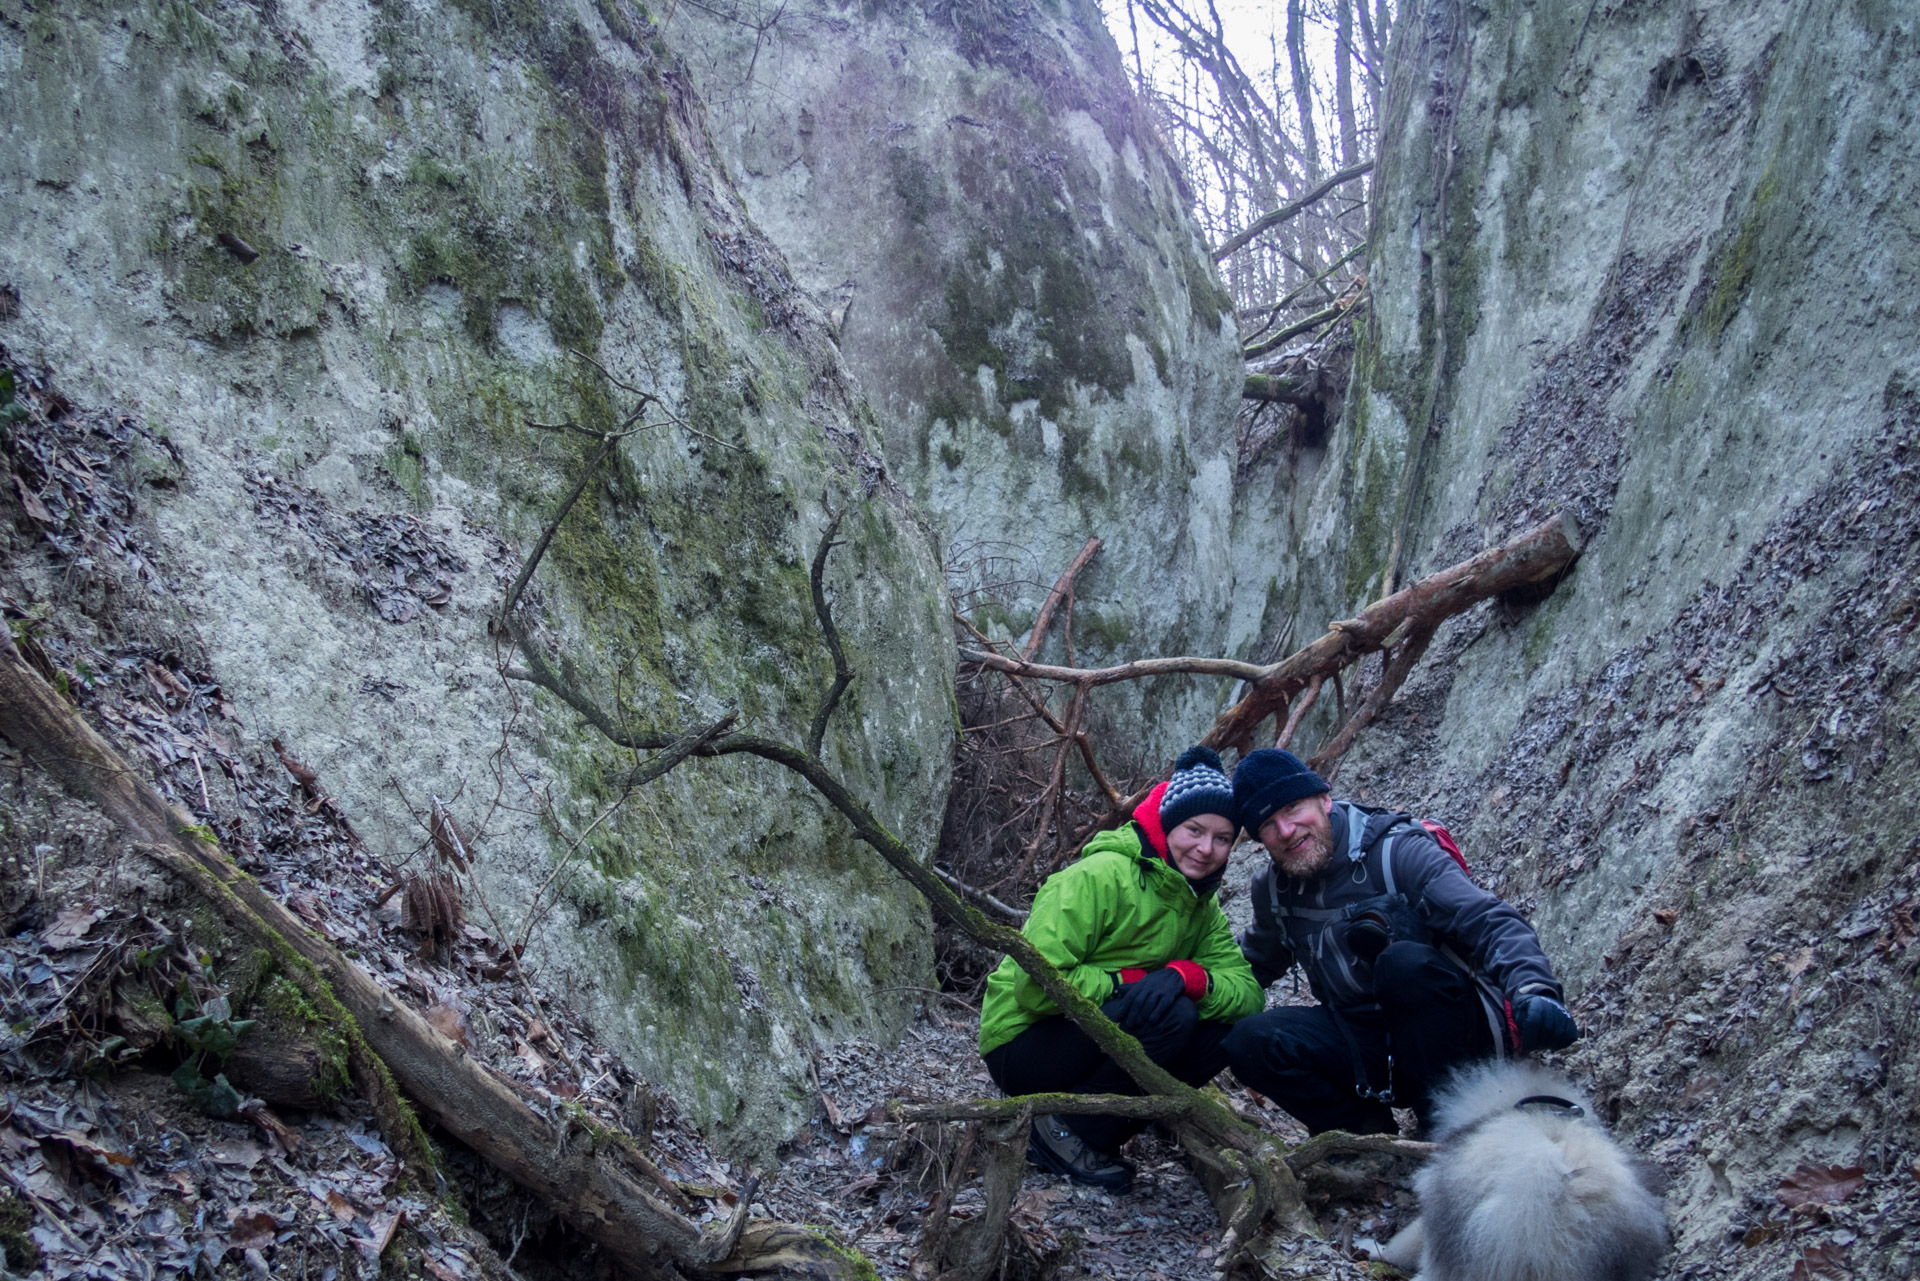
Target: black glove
(1544,1023)
(1148,1001)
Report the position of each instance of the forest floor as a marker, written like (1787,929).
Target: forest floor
(1164,1229)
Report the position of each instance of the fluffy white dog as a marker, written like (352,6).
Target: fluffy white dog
(1526,1186)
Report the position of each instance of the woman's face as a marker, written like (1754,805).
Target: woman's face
(1199,846)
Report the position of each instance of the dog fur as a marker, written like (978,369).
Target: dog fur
(1527,1194)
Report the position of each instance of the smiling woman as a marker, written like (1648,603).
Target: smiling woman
(1134,925)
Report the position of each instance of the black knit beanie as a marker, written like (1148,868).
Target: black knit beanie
(1271,779)
(1199,786)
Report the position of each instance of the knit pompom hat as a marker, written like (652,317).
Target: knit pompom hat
(1271,779)
(1199,786)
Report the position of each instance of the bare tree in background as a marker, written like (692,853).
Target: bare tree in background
(1276,148)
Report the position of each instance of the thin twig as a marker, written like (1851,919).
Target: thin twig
(641,775)
(962,1002)
(607,443)
(1273,312)
(842,674)
(1013,914)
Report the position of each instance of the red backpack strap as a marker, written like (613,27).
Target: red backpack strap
(1444,839)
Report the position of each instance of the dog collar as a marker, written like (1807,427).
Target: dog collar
(1566,1107)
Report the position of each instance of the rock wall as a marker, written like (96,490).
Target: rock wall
(1657,266)
(1008,257)
(332,259)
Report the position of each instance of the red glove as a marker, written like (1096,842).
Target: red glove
(1195,977)
(1131,976)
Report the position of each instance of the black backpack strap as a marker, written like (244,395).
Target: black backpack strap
(1493,1002)
(1361,1085)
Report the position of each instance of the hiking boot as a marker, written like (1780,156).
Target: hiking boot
(1054,1147)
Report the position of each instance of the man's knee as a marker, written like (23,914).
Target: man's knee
(1407,973)
(1262,1044)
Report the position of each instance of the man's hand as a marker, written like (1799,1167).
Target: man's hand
(1544,1024)
(1147,1001)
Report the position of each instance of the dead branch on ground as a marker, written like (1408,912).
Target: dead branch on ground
(1146,1107)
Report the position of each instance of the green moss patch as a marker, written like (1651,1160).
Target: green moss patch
(1023,302)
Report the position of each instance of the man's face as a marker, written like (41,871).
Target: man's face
(1300,835)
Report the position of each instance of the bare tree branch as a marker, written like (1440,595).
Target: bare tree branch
(1146,1107)
(1096,676)
(1012,914)
(1398,667)
(1538,554)
(842,674)
(1298,712)
(1294,330)
(512,598)
(1060,588)
(1266,222)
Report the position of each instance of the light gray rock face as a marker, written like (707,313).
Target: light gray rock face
(1659,267)
(973,192)
(444,199)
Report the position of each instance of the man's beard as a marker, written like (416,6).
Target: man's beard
(1309,860)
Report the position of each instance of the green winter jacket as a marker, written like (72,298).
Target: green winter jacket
(1119,907)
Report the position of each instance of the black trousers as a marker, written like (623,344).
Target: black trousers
(1055,1056)
(1431,1021)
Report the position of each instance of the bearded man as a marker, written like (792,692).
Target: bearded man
(1416,969)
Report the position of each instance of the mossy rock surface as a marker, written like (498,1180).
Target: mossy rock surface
(1020,287)
(446,201)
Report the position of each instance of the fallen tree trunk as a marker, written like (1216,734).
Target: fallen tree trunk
(1539,553)
(586,1174)
(1277,388)
(1402,624)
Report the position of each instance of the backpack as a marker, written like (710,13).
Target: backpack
(1500,1010)
(1444,840)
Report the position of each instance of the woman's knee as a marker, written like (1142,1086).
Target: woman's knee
(1166,1037)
